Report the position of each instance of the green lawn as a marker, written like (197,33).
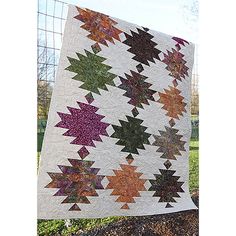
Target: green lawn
(51,227)
(193,166)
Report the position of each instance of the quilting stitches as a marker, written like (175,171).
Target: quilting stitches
(127,147)
(126,184)
(142,46)
(100,26)
(76,182)
(83,124)
(91,70)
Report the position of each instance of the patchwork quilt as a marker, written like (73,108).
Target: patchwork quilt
(118,130)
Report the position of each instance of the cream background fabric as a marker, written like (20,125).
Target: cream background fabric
(114,106)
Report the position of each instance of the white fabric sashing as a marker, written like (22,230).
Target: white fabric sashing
(118,129)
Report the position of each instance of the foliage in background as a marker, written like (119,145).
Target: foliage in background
(51,227)
(44,87)
(194,166)
(195,102)
(44,97)
(54,227)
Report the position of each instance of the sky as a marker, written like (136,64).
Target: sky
(172,17)
(167,16)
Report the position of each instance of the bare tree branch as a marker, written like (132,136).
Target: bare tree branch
(45,71)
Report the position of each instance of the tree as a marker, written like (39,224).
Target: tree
(44,88)
(191,12)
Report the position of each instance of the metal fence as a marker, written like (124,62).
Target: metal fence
(51,20)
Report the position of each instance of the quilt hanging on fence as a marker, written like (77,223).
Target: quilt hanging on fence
(118,131)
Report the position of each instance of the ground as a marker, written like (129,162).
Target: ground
(175,224)
(147,225)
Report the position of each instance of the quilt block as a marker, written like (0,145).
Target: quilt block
(118,130)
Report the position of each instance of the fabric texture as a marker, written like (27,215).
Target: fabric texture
(118,130)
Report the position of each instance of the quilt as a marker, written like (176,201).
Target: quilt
(118,129)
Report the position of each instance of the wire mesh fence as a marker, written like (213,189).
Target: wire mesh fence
(51,20)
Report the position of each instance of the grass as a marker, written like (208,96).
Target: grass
(52,227)
(194,117)
(194,166)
